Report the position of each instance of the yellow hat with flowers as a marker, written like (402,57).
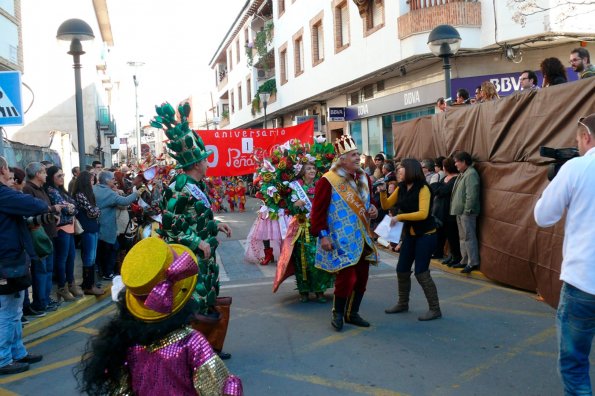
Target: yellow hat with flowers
(159,279)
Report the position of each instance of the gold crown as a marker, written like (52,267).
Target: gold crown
(344,144)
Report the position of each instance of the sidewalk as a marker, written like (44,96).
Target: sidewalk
(67,309)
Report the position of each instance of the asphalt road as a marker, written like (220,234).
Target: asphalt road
(491,340)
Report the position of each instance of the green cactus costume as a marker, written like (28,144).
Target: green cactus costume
(187,218)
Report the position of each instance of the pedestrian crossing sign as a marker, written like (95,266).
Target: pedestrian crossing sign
(11,108)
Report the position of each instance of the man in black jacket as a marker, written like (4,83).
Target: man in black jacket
(16,252)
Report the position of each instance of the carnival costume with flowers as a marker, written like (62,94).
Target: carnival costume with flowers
(241,196)
(340,212)
(159,280)
(187,218)
(299,247)
(270,226)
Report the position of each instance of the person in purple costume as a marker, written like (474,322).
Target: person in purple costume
(149,347)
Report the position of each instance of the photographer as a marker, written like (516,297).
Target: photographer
(573,191)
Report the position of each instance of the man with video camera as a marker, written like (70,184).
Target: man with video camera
(573,191)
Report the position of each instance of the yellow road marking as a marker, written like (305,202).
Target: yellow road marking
(470,294)
(87,330)
(509,354)
(49,367)
(333,339)
(65,330)
(342,385)
(5,392)
(504,310)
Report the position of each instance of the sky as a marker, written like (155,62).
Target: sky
(175,39)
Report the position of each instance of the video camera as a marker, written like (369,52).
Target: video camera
(379,182)
(560,155)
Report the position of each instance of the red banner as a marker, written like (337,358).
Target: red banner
(234,149)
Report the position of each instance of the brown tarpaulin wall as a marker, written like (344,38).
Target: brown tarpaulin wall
(504,137)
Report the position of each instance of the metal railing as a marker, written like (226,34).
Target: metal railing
(419,4)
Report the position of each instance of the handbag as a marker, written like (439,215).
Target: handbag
(127,239)
(78,228)
(41,242)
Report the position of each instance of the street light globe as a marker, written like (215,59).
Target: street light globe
(444,41)
(264,97)
(75,29)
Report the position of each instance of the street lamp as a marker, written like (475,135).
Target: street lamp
(264,98)
(137,127)
(75,31)
(444,41)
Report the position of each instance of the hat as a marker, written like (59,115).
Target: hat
(344,144)
(159,279)
(186,145)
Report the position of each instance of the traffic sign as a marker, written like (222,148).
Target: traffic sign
(11,107)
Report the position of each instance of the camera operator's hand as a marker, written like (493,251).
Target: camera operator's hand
(373,212)
(381,187)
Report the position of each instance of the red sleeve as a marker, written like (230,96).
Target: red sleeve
(322,200)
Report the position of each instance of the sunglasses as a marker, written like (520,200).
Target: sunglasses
(580,122)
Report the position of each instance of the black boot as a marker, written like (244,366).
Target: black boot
(404,288)
(338,311)
(429,287)
(352,315)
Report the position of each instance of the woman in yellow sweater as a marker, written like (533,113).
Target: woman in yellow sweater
(413,201)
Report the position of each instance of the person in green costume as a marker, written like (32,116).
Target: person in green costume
(187,218)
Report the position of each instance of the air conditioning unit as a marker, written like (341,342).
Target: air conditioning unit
(261,73)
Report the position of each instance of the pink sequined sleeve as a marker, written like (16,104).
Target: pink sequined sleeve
(211,377)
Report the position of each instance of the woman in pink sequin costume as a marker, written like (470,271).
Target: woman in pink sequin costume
(149,347)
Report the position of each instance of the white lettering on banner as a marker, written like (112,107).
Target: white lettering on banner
(249,134)
(362,110)
(411,98)
(236,159)
(506,84)
(215,157)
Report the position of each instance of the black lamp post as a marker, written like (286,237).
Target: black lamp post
(75,31)
(444,41)
(264,98)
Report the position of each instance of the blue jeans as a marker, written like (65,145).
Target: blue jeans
(575,322)
(41,271)
(89,248)
(64,257)
(418,249)
(11,330)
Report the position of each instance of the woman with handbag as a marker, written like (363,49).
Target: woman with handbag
(64,242)
(88,215)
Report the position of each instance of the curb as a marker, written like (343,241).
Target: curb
(65,314)
(436,264)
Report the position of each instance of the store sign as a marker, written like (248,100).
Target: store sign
(336,114)
(506,84)
(316,118)
(415,97)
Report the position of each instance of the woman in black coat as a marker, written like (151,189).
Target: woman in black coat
(447,223)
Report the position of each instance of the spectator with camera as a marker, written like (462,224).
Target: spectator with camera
(464,204)
(572,192)
(43,268)
(108,201)
(16,253)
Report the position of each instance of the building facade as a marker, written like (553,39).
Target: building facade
(49,86)
(368,62)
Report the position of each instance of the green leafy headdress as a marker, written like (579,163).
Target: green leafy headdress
(186,145)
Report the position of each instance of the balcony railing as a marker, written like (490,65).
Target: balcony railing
(424,15)
(105,121)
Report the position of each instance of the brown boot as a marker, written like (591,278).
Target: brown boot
(75,290)
(89,286)
(429,287)
(404,288)
(64,294)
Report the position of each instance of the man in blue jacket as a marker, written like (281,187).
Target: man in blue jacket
(16,252)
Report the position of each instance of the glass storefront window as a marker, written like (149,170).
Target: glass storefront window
(355,130)
(387,136)
(374,136)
